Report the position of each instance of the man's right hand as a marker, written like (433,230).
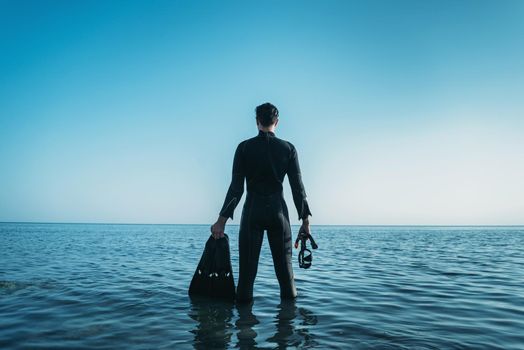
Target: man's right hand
(305,226)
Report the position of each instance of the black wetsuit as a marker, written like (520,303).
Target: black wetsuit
(263,161)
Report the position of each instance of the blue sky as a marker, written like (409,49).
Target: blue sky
(403,112)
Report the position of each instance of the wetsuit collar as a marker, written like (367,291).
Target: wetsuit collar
(264,133)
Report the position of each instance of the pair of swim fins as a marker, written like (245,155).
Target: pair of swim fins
(214,275)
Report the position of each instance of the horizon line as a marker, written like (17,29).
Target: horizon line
(190,224)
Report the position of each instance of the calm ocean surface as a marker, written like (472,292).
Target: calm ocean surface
(74,286)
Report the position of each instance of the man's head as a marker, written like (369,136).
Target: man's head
(267,115)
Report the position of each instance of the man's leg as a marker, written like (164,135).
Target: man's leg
(279,236)
(250,239)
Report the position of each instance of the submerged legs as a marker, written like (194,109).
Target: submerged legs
(258,215)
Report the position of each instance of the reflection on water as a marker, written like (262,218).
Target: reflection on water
(244,325)
(214,328)
(286,331)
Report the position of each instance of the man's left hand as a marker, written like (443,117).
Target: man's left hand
(217,229)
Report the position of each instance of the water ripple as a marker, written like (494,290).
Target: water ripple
(125,286)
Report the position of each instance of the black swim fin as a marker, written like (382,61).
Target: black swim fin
(214,275)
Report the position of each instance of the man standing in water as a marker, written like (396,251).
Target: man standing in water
(263,161)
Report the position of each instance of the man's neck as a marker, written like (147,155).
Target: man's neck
(267,128)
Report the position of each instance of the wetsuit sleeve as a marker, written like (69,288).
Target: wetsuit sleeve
(236,188)
(297,187)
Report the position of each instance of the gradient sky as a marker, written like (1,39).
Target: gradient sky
(403,112)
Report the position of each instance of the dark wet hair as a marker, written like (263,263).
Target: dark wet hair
(267,114)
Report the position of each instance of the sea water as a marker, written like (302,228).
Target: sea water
(74,286)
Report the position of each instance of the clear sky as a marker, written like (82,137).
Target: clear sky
(403,112)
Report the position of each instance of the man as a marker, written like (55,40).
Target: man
(263,161)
